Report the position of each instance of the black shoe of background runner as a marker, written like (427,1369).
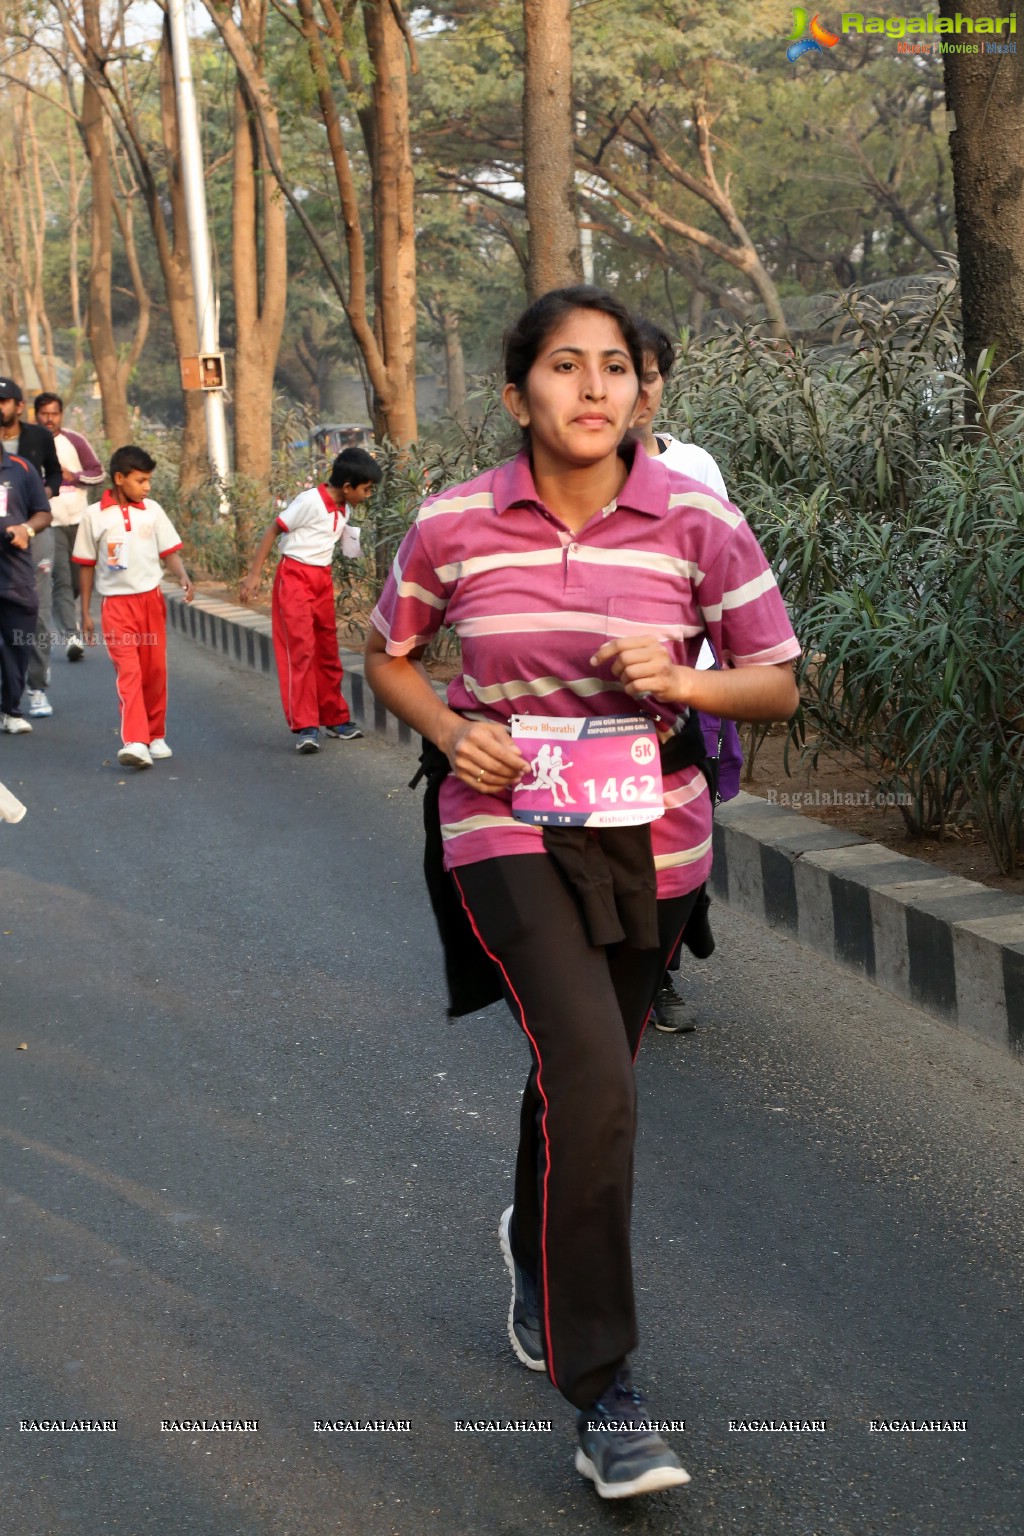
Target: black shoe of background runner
(670,1014)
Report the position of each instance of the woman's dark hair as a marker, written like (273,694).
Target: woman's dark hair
(124,460)
(658,343)
(524,340)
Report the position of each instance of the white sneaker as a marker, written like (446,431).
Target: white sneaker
(135,754)
(14,725)
(159,749)
(38,703)
(76,650)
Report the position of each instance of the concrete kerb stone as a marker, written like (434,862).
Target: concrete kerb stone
(951,947)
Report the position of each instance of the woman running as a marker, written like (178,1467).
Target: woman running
(581,577)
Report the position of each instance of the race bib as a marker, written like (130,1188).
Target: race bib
(4,495)
(116,551)
(596,771)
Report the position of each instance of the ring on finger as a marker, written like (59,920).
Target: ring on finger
(479,777)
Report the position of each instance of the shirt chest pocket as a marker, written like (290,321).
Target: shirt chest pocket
(643,616)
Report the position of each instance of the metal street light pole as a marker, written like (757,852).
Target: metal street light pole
(194,187)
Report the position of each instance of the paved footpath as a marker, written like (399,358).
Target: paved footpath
(249,1173)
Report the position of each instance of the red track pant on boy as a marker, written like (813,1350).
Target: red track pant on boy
(306,645)
(135,630)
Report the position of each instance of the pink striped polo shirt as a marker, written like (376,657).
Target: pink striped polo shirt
(532,602)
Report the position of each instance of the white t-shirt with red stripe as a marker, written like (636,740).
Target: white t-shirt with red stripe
(311,525)
(126,544)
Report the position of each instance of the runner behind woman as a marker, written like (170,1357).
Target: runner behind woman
(580,576)
(671,1014)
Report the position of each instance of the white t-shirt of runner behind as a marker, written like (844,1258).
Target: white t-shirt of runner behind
(125,544)
(311,525)
(696,462)
(80,468)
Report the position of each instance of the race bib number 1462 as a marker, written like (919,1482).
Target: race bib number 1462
(589,772)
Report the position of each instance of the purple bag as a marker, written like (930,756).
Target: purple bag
(730,757)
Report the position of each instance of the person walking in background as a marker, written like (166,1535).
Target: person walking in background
(24,516)
(580,577)
(305,630)
(124,541)
(80,469)
(34,443)
(721,737)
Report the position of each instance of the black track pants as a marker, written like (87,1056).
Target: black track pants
(583,1010)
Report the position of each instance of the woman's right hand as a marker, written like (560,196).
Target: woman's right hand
(483,756)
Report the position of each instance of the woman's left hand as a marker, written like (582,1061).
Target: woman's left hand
(644,667)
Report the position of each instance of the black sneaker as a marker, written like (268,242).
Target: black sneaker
(523,1312)
(308,741)
(669,1011)
(621,1450)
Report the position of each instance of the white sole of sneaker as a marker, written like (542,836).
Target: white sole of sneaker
(510,1264)
(654,1481)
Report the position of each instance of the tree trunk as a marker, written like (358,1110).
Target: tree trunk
(986,94)
(548,148)
(100,321)
(74,195)
(394,223)
(10,298)
(260,288)
(30,208)
(455,368)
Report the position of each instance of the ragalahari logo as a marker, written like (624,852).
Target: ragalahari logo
(819,40)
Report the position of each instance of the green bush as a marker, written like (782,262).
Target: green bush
(898,544)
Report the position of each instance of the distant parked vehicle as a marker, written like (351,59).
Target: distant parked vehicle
(330,438)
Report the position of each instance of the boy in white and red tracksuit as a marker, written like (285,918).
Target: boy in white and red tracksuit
(124,541)
(305,632)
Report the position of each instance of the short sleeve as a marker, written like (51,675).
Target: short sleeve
(296,514)
(84,552)
(168,540)
(746,619)
(413,604)
(712,475)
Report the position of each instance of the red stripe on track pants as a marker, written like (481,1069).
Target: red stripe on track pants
(306,645)
(135,631)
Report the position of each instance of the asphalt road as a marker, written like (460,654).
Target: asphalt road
(248,1171)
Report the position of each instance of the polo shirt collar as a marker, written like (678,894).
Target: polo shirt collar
(109,499)
(645,490)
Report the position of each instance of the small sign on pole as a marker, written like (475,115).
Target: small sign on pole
(203,372)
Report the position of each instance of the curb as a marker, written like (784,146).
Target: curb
(952,947)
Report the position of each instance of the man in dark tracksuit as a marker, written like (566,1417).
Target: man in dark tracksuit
(24,513)
(35,444)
